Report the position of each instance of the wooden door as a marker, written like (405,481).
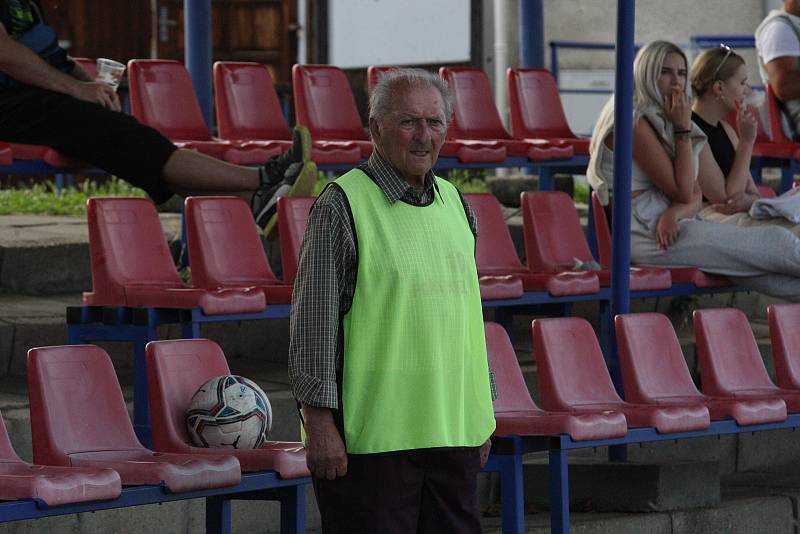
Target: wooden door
(116,29)
(243,30)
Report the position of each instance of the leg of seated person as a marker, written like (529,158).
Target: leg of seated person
(192,171)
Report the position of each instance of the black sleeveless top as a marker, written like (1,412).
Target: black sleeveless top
(719,143)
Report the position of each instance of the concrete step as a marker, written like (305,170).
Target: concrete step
(50,254)
(763,512)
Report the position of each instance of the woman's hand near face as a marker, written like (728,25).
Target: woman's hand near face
(746,124)
(678,108)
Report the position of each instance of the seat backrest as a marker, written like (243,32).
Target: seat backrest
(374,75)
(76,404)
(512,392)
(323,102)
(727,352)
(571,368)
(7,452)
(293,213)
(475,114)
(224,245)
(535,105)
(89,65)
(602,230)
(127,246)
(651,358)
(175,371)
(554,237)
(494,249)
(247,104)
(784,333)
(765,191)
(774,117)
(162,96)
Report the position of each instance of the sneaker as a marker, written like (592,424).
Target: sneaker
(302,185)
(277,169)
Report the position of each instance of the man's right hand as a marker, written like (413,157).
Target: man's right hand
(325,452)
(97,93)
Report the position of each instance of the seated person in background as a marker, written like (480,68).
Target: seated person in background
(665,231)
(45,99)
(778,47)
(719,84)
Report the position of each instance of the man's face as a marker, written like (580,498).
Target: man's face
(410,136)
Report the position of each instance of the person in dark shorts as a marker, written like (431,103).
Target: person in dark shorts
(48,99)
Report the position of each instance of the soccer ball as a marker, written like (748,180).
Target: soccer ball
(231,412)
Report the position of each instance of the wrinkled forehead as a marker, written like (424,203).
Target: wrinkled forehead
(417,101)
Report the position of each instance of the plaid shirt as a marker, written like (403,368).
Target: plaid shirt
(326,280)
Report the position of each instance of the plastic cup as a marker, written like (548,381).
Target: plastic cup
(109,72)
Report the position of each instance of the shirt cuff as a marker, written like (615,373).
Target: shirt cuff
(308,389)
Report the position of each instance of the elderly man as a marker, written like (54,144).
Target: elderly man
(778,46)
(387,355)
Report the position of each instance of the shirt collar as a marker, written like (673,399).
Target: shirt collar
(391,183)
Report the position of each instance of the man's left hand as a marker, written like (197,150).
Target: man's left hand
(485,448)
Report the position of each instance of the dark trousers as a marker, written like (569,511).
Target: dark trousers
(110,140)
(427,491)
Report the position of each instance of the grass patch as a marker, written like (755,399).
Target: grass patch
(580,193)
(43,199)
(467,181)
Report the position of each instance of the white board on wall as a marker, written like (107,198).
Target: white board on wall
(398,32)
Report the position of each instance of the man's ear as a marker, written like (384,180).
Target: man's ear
(374,130)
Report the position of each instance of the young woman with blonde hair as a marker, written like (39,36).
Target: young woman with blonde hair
(669,153)
(719,84)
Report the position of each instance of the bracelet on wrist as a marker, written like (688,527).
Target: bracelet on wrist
(682,132)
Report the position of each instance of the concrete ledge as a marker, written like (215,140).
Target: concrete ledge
(630,487)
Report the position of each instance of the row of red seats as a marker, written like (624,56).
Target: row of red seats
(252,126)
(661,400)
(85,456)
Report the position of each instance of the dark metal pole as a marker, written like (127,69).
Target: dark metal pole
(623,156)
(197,31)
(531,20)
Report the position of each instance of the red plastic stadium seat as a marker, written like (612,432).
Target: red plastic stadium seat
(500,287)
(248,109)
(730,363)
(225,249)
(517,414)
(6,156)
(536,110)
(495,254)
(374,74)
(45,153)
(654,372)
(680,275)
(79,418)
(765,191)
(293,215)
(131,264)
(784,332)
(554,239)
(475,117)
(162,96)
(52,485)
(573,377)
(175,370)
(324,103)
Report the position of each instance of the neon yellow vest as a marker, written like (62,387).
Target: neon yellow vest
(415,371)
